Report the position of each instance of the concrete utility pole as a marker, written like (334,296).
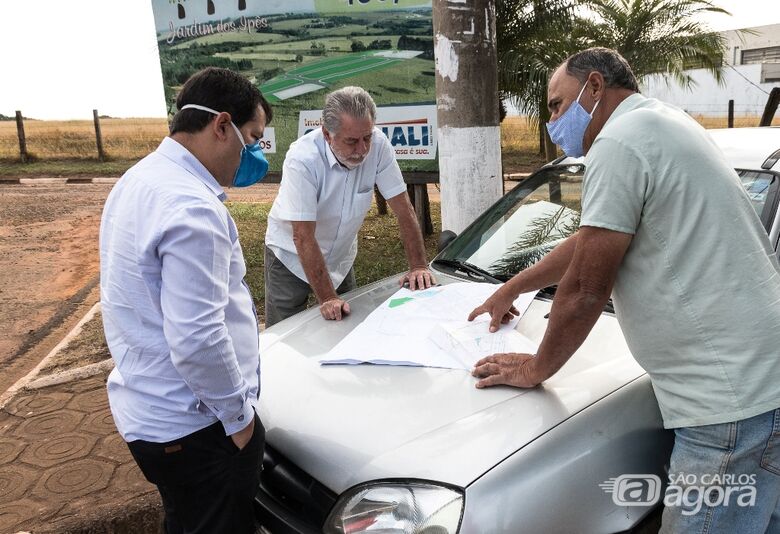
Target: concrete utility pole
(469,136)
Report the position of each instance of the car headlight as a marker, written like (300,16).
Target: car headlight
(397,508)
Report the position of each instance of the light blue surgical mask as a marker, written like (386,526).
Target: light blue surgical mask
(253,166)
(568,130)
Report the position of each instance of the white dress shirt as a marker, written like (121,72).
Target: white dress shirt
(179,319)
(316,187)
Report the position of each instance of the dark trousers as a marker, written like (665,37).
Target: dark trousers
(206,483)
(286,294)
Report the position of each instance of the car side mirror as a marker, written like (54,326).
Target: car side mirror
(445,238)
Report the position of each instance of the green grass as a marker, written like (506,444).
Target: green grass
(330,70)
(380,251)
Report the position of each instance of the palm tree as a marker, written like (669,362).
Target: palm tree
(533,37)
(655,37)
(658,36)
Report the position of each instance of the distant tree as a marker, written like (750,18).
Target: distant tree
(533,37)
(655,36)
(317,49)
(380,44)
(664,37)
(298,58)
(357,46)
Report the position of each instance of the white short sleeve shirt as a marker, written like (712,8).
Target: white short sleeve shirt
(316,187)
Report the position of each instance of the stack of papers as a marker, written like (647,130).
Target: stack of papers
(429,328)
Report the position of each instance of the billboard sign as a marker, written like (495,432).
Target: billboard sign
(296,51)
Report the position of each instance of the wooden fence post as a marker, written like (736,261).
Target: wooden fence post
(381,203)
(98,136)
(731,113)
(22,140)
(771,107)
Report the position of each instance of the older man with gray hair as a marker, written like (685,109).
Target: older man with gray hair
(328,181)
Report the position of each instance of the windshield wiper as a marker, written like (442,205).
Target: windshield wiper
(477,273)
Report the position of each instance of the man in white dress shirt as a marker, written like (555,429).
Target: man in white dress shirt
(178,317)
(327,186)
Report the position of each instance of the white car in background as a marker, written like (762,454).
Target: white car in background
(376,449)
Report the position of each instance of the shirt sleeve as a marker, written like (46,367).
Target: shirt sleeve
(615,187)
(297,197)
(389,179)
(195,250)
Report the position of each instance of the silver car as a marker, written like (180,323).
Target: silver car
(377,449)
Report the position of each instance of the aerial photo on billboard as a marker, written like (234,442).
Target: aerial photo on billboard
(296,51)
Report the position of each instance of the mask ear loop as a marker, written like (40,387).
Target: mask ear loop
(197,106)
(580,96)
(209,110)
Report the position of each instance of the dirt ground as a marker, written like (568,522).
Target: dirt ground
(49,264)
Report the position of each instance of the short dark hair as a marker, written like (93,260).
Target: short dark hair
(615,69)
(220,90)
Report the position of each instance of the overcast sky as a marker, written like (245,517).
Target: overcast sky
(61,60)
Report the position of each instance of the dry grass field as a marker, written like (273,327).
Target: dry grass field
(122,138)
(69,148)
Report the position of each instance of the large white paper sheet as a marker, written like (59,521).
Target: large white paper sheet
(429,328)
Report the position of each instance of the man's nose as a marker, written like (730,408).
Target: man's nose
(362,146)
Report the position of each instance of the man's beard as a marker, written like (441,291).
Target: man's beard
(349,163)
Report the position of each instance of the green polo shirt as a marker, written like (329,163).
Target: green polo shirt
(698,293)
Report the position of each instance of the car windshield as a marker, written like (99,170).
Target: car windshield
(534,217)
(522,227)
(757,184)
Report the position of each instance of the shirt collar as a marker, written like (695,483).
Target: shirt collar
(178,154)
(629,103)
(332,159)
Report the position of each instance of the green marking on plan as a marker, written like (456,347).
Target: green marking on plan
(400,302)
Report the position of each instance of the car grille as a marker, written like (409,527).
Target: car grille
(289,500)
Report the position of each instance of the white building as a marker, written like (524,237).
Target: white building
(751,68)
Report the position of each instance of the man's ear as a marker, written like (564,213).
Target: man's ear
(326,133)
(596,85)
(221,125)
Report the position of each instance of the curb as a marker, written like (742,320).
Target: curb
(32,376)
(57,181)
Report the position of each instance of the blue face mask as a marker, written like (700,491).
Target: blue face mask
(253,166)
(568,130)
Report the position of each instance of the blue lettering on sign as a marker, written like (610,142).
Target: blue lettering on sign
(408,137)
(398,137)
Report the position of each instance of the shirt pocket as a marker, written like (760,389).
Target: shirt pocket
(362,203)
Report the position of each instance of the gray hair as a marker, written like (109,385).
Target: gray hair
(350,100)
(615,69)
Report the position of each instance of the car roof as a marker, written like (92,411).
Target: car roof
(748,148)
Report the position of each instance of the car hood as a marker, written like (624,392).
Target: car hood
(349,424)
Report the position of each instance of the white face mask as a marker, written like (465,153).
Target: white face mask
(568,130)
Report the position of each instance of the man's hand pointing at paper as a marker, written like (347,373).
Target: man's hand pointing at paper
(500,306)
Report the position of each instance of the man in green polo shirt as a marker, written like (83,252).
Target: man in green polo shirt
(668,231)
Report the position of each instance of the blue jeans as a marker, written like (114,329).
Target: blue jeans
(725,478)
